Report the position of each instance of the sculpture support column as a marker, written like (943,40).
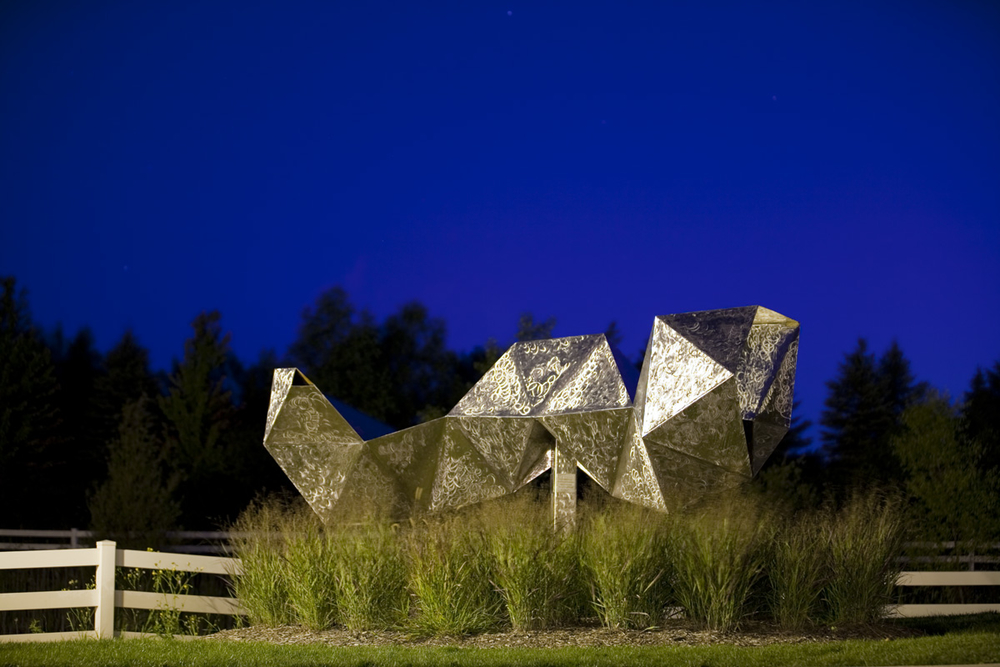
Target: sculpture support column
(563,490)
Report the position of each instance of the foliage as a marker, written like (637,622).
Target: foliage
(198,409)
(862,413)
(797,571)
(450,578)
(955,497)
(865,540)
(532,566)
(717,554)
(622,551)
(135,504)
(27,410)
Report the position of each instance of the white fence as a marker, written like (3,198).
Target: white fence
(180,541)
(944,579)
(105,597)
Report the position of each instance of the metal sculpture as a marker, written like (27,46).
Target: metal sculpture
(712,401)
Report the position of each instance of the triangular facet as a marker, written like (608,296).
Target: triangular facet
(718,333)
(500,392)
(501,441)
(593,439)
(412,456)
(635,480)
(594,385)
(678,374)
(709,429)
(280,384)
(463,477)
(767,345)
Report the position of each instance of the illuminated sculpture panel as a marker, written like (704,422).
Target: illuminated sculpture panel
(714,398)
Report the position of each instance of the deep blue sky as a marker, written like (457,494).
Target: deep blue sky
(838,162)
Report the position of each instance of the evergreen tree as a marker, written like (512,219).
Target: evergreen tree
(197,410)
(78,454)
(28,414)
(980,415)
(862,412)
(135,503)
(125,378)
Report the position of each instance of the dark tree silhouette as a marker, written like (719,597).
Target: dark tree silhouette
(198,409)
(28,414)
(862,412)
(135,504)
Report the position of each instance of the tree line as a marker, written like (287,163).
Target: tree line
(104,441)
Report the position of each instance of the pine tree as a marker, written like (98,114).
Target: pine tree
(135,503)
(28,414)
(197,411)
(862,412)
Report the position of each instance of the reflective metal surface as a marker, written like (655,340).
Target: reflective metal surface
(711,402)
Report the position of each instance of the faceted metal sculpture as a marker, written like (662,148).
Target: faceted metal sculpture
(713,400)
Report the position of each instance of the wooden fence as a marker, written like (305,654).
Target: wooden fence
(105,597)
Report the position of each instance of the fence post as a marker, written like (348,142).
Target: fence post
(104,616)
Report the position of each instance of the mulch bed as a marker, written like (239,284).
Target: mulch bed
(675,633)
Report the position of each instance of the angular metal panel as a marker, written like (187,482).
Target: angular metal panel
(412,456)
(500,392)
(720,334)
(547,366)
(593,439)
(710,429)
(314,446)
(595,384)
(679,374)
(766,437)
(684,478)
(463,476)
(502,441)
(767,345)
(280,384)
(635,481)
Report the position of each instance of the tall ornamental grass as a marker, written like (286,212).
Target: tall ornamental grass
(370,587)
(864,541)
(717,554)
(449,575)
(533,567)
(621,549)
(501,563)
(262,589)
(797,571)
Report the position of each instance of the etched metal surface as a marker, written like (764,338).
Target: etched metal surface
(711,402)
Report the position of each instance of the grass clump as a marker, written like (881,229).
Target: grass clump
(797,571)
(262,589)
(621,549)
(532,566)
(370,578)
(864,540)
(718,555)
(449,575)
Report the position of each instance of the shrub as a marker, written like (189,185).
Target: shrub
(263,587)
(796,571)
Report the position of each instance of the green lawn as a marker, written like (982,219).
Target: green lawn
(965,645)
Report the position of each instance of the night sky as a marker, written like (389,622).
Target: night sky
(838,162)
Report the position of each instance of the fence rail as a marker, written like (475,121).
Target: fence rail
(105,597)
(179,541)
